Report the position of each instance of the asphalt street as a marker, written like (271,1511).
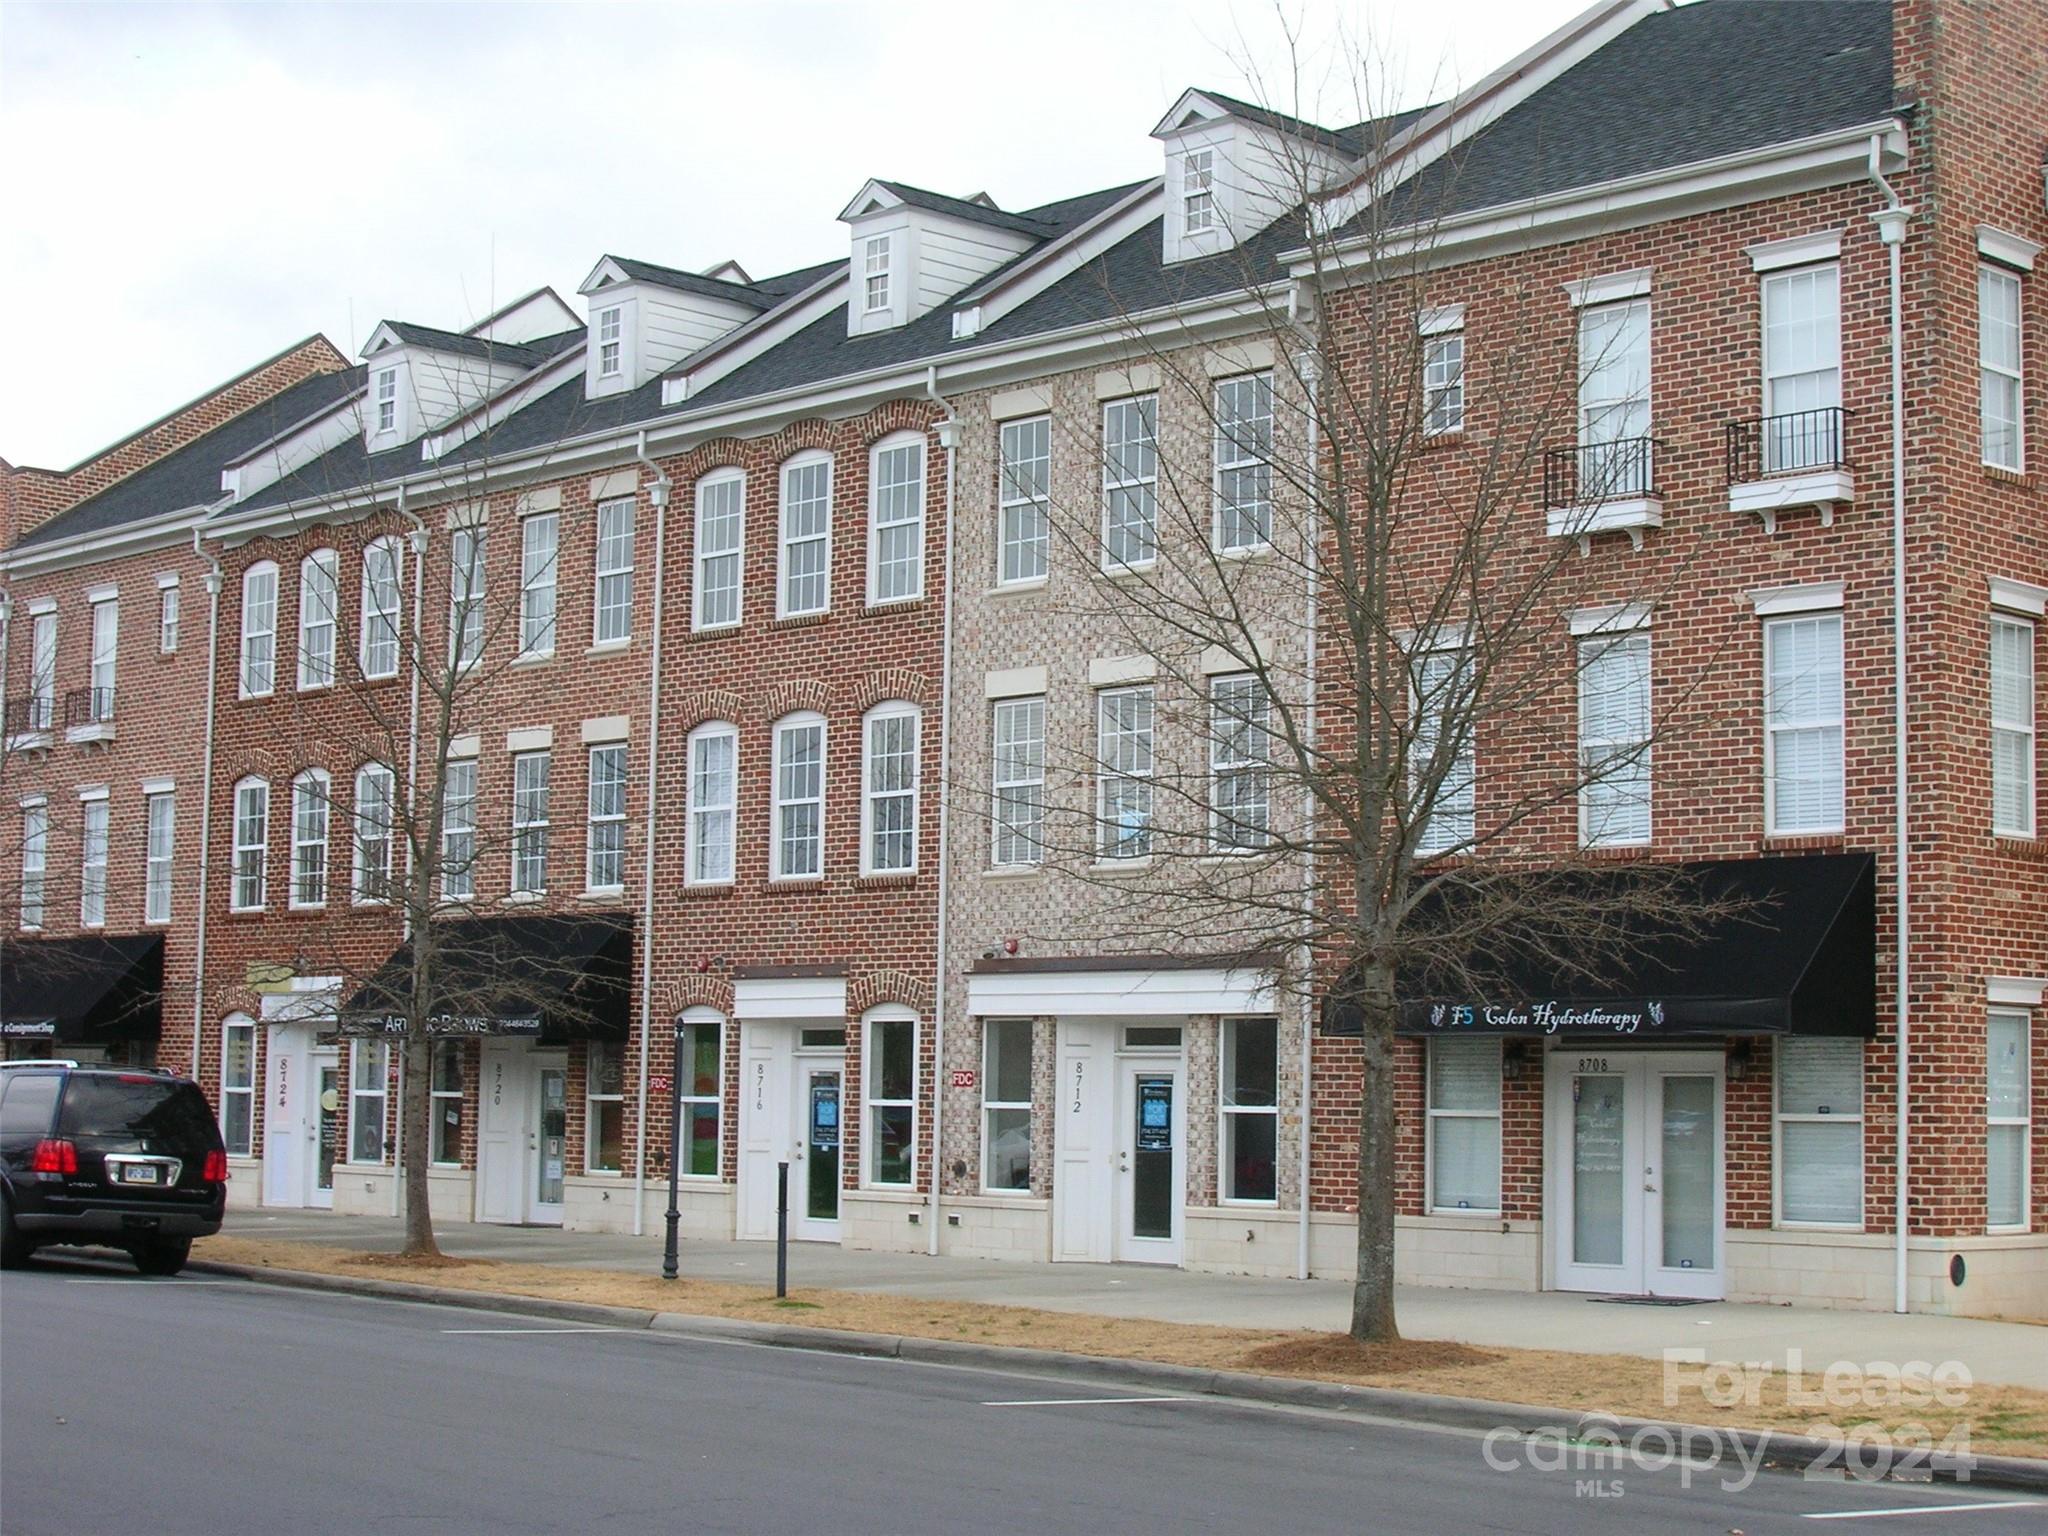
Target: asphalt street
(219,1406)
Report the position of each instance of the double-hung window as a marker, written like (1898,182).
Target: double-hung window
(1006,1105)
(1820,1131)
(875,273)
(1442,776)
(446,1094)
(167,596)
(1250,1107)
(2001,397)
(1024,500)
(1240,775)
(35,854)
(713,768)
(238,1085)
(1244,462)
(608,343)
(379,649)
(806,568)
(467,548)
(2008,1121)
(1198,190)
(1019,762)
(1464,1125)
(92,862)
(311,798)
(891,1083)
(1130,482)
(614,602)
(106,647)
(259,629)
(42,673)
(373,839)
(896,520)
(721,533)
(1802,369)
(1123,746)
(252,846)
(367,1091)
(1614,401)
(318,582)
(159,855)
(2012,726)
(605,856)
(699,1068)
(1803,724)
(387,400)
(537,540)
(458,830)
(530,823)
(604,1109)
(799,830)
(1614,740)
(1443,370)
(889,784)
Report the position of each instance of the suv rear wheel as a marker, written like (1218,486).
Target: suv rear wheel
(162,1255)
(14,1248)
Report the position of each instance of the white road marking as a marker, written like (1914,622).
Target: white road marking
(1080,1402)
(533,1330)
(143,1280)
(1923,1509)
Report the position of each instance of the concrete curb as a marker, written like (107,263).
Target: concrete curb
(1774,1448)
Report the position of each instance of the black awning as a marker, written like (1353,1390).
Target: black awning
(1794,953)
(544,977)
(96,989)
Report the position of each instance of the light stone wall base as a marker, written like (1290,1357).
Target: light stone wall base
(364,1191)
(1240,1240)
(245,1183)
(882,1220)
(996,1227)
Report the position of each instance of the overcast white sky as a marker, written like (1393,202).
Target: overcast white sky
(193,188)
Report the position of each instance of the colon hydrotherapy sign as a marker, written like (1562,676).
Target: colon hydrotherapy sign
(1549,1016)
(443,1024)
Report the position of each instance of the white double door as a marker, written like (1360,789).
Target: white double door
(522,1134)
(1119,1149)
(792,1111)
(1635,1193)
(302,1089)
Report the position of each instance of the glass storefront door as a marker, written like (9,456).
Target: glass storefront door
(1150,1162)
(553,1125)
(327,1120)
(814,1181)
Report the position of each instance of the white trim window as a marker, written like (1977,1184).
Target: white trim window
(889,774)
(312,801)
(92,862)
(458,830)
(238,1085)
(42,669)
(382,563)
(539,536)
(319,577)
(1240,754)
(387,400)
(1803,723)
(2000,391)
(1019,765)
(468,549)
(613,621)
(1819,1125)
(1464,1127)
(1130,482)
(2012,726)
(1006,1106)
(1198,191)
(1614,740)
(1243,443)
(530,824)
(35,856)
(1024,500)
(896,520)
(889,1077)
(1802,367)
(1123,775)
(700,1058)
(106,651)
(159,854)
(1248,1095)
(2008,1122)
(608,343)
(714,750)
(804,580)
(368,1093)
(167,603)
(1443,380)
(604,1109)
(448,1097)
(374,808)
(721,536)
(252,846)
(1614,401)
(1440,681)
(799,829)
(604,860)
(874,260)
(259,629)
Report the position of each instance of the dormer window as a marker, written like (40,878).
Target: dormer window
(608,342)
(1197,190)
(387,400)
(876,271)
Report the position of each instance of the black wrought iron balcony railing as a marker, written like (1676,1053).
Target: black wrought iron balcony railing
(26,716)
(1794,443)
(1589,474)
(88,706)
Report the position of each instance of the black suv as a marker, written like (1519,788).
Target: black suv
(113,1157)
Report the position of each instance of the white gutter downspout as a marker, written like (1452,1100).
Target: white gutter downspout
(213,580)
(949,439)
(1891,228)
(658,493)
(412,780)
(1311,563)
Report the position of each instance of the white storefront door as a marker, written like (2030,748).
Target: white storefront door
(1634,1190)
(521,1134)
(1151,1160)
(290,1127)
(814,1174)
(1083,1143)
(326,1080)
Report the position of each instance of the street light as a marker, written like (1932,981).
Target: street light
(674,1218)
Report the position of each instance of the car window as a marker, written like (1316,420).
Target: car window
(135,1106)
(30,1098)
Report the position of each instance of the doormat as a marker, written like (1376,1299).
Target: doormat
(1653,1301)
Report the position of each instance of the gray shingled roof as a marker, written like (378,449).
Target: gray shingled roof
(966,208)
(434,339)
(693,282)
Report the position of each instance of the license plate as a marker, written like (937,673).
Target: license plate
(140,1173)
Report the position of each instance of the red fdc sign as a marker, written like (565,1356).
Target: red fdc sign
(963,1077)
(658,1082)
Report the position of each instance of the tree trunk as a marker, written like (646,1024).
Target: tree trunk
(415,1104)
(1372,1295)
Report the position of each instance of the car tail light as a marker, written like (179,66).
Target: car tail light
(53,1155)
(216,1169)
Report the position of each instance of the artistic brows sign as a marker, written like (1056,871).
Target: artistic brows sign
(442,1024)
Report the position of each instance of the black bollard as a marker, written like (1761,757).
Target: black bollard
(781,1230)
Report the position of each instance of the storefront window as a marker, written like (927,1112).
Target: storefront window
(238,1086)
(366,1098)
(604,1117)
(1820,1132)
(2007,1121)
(1006,1104)
(1251,1109)
(448,1095)
(1464,1125)
(891,1080)
(697,1058)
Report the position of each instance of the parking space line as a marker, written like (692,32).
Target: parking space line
(1081,1402)
(1924,1509)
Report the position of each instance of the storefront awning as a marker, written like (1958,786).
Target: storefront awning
(546,978)
(1794,951)
(92,990)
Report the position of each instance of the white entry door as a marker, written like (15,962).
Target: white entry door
(814,1173)
(290,1129)
(1084,1143)
(1635,1195)
(522,1134)
(548,1164)
(326,1081)
(1151,1160)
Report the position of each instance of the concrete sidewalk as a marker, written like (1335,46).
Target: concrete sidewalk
(2012,1353)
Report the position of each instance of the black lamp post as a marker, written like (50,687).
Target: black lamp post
(675,1148)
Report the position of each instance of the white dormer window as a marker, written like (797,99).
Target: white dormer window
(876,270)
(608,343)
(1198,190)
(387,400)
